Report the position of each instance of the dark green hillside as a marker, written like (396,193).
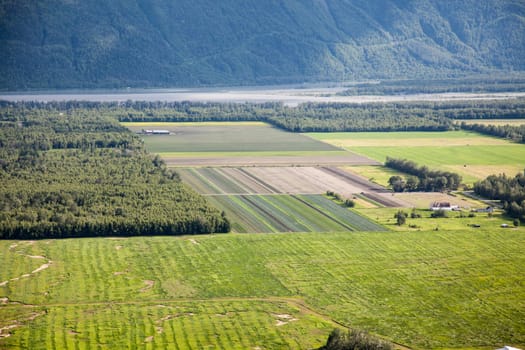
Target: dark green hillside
(118,43)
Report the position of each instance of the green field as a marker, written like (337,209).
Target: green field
(283,213)
(455,220)
(472,155)
(279,291)
(227,137)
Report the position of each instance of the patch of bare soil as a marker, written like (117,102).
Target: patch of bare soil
(149,284)
(5,331)
(282,319)
(42,267)
(148,339)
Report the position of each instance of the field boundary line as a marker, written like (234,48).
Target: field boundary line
(270,215)
(261,182)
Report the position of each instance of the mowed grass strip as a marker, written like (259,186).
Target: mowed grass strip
(445,289)
(234,324)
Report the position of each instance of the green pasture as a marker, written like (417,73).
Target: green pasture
(426,290)
(229,137)
(455,220)
(438,156)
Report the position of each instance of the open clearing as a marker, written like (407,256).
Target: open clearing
(445,289)
(472,155)
(514,122)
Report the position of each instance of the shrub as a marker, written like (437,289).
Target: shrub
(355,340)
(439,214)
(349,203)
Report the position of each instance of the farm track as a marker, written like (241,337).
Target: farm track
(381,200)
(277,161)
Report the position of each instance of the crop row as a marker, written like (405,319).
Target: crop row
(284,213)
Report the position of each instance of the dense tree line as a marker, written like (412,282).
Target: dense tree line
(308,117)
(355,340)
(72,173)
(509,190)
(406,87)
(422,179)
(513,132)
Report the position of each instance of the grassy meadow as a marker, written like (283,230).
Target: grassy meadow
(472,155)
(445,289)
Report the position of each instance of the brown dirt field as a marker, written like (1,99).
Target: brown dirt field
(424,199)
(303,180)
(269,161)
(243,177)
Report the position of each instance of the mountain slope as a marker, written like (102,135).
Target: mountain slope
(95,43)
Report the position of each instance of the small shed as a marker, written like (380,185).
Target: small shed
(443,206)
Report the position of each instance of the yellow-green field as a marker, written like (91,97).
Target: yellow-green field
(472,155)
(426,290)
(514,122)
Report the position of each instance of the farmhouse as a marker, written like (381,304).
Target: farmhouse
(155,132)
(443,206)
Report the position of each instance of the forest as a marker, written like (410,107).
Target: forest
(78,173)
(509,190)
(512,132)
(422,179)
(318,117)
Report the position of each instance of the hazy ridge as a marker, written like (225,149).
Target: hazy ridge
(144,43)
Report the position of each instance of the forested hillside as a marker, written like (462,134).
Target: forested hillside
(120,43)
(74,173)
